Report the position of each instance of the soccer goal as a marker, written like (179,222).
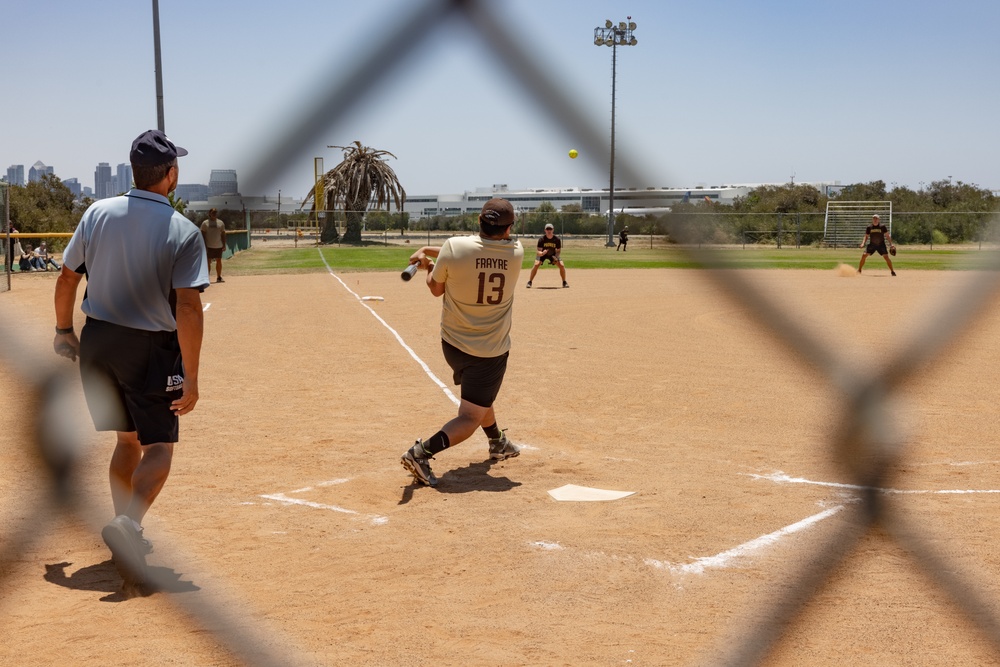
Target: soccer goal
(846,221)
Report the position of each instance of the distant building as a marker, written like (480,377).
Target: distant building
(15,174)
(38,170)
(190,192)
(123,178)
(596,201)
(249,203)
(74,186)
(87,192)
(103,185)
(223,182)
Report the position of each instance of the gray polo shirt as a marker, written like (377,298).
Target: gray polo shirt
(134,249)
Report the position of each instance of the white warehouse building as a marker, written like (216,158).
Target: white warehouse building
(596,201)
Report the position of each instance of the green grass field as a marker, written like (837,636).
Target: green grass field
(262,260)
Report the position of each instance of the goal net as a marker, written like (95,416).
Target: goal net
(845,222)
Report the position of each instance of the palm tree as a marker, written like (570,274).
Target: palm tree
(362,180)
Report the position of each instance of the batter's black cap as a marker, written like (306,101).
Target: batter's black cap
(152,148)
(497,212)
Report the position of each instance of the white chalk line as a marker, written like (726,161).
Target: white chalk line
(781,478)
(284,499)
(205,307)
(425,367)
(725,558)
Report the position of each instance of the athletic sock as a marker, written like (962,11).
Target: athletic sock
(492,432)
(437,443)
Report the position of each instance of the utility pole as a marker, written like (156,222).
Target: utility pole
(158,66)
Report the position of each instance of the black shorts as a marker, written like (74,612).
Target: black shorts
(479,377)
(873,248)
(214,253)
(130,377)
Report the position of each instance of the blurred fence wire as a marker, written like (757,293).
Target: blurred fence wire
(865,442)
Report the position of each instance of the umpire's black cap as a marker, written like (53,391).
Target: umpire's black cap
(497,212)
(152,148)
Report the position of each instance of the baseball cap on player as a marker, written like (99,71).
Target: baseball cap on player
(497,212)
(875,217)
(152,148)
(549,226)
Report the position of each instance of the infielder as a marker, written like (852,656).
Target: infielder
(549,248)
(476,276)
(876,237)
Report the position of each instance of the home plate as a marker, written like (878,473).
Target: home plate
(584,493)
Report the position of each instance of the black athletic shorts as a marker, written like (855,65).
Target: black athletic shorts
(130,377)
(479,377)
(876,248)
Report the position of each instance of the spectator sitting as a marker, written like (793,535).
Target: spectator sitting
(42,254)
(33,259)
(23,258)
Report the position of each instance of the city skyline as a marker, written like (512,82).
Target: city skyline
(713,93)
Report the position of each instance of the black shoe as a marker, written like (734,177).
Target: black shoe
(528,285)
(893,273)
(417,462)
(565,284)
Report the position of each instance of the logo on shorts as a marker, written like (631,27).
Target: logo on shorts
(175,382)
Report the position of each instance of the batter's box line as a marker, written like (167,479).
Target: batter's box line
(780,477)
(284,499)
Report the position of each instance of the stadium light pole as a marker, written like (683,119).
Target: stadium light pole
(614,36)
(158,66)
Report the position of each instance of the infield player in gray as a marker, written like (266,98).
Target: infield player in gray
(139,350)
(476,275)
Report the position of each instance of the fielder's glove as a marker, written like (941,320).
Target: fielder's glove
(892,250)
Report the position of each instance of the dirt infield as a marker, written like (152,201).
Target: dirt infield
(287,498)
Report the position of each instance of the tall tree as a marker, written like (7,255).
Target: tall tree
(43,206)
(362,180)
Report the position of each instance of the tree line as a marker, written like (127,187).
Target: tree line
(944,211)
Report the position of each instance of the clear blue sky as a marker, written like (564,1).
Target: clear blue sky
(715,92)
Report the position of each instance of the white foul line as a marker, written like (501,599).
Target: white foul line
(399,338)
(723,559)
(782,478)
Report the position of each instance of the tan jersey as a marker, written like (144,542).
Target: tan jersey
(479,276)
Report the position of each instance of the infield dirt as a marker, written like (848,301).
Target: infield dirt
(288,508)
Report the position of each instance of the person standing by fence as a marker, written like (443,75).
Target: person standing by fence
(214,232)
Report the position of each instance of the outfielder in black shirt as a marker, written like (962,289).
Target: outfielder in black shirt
(876,238)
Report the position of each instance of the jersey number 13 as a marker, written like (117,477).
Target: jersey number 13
(495,294)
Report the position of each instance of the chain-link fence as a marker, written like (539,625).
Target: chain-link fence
(865,443)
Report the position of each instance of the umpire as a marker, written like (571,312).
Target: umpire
(146,268)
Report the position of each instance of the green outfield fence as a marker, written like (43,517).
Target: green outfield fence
(864,440)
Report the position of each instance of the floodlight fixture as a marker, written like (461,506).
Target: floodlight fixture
(614,36)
